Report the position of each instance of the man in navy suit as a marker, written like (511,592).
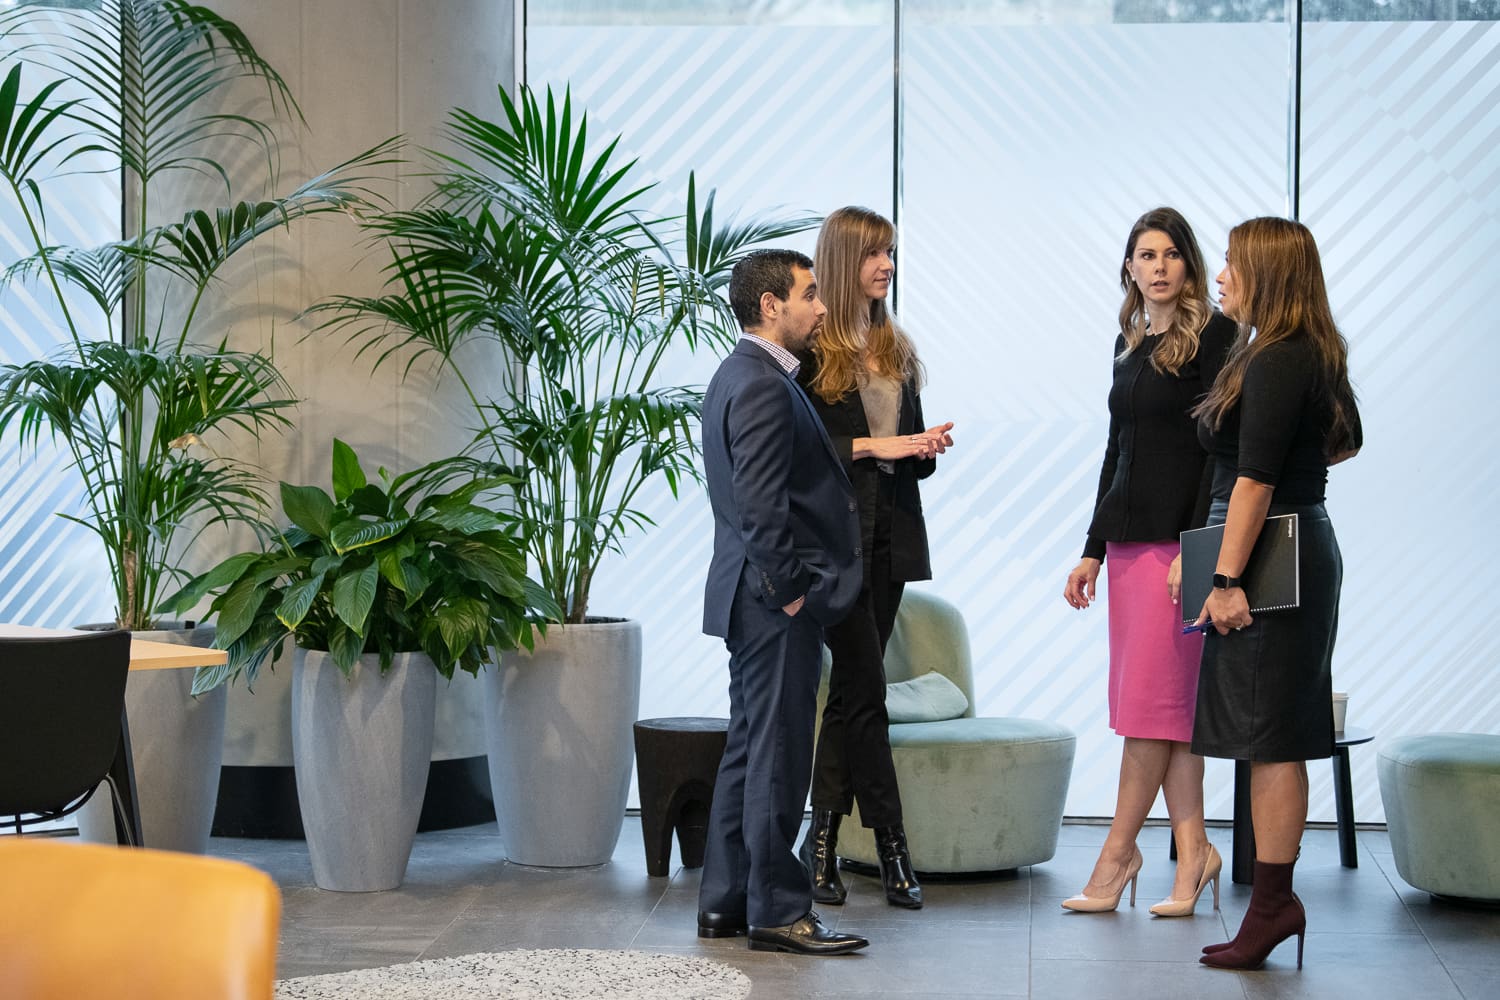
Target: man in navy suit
(786,564)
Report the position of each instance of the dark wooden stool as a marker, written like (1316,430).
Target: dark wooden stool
(676,763)
(1242,861)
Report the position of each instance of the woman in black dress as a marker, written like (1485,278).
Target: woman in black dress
(864,382)
(1281,412)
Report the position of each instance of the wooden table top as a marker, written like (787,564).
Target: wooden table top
(144,654)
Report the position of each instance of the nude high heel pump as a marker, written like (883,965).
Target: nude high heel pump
(1103,904)
(1173,907)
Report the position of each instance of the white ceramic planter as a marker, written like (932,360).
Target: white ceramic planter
(558,724)
(361,748)
(176,746)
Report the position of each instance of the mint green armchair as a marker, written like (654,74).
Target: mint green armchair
(977,794)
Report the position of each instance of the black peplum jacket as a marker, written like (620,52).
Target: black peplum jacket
(1156,477)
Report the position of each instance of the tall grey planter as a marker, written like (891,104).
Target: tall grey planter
(558,724)
(361,747)
(176,746)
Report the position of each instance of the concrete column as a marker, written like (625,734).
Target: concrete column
(362,71)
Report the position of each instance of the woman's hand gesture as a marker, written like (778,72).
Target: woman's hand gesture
(1079,591)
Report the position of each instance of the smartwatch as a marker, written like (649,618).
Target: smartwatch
(1222,582)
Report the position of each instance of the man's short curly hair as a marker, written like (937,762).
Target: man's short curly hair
(758,272)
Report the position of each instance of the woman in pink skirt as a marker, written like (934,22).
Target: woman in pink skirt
(1154,484)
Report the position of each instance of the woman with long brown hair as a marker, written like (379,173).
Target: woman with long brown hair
(1281,412)
(1153,485)
(864,380)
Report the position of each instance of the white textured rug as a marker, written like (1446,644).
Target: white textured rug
(551,974)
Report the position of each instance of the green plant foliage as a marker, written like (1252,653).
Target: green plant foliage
(398,565)
(139,401)
(535,244)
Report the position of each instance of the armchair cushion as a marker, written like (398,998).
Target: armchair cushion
(930,697)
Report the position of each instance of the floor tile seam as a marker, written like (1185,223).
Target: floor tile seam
(660,898)
(452,921)
(1463,966)
(1451,980)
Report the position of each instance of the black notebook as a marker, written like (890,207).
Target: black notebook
(1272,578)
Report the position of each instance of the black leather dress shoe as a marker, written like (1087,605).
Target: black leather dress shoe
(717,925)
(806,936)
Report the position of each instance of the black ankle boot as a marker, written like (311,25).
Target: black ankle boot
(896,873)
(817,854)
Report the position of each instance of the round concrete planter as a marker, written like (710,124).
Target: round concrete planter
(258,786)
(361,748)
(176,746)
(558,723)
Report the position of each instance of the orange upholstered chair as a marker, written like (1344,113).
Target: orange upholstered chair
(79,920)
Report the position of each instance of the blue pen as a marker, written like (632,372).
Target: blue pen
(1188,629)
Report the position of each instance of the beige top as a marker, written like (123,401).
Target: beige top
(881,396)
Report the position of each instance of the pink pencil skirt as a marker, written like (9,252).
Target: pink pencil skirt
(1153,667)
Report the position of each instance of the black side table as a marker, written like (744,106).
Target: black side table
(677,762)
(1242,867)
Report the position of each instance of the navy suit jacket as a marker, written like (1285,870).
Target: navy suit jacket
(786,523)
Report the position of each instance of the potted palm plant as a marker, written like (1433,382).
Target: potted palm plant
(145,403)
(537,246)
(383,586)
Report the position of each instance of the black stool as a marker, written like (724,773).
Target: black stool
(676,763)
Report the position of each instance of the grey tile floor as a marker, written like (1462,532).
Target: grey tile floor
(1371,936)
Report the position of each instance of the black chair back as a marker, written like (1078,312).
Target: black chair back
(62,699)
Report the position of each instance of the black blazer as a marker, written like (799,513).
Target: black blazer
(845,420)
(1156,476)
(785,519)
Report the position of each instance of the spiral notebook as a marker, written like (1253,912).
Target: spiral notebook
(1272,578)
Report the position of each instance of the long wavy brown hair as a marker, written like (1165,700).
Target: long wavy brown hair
(858,333)
(1178,344)
(1278,280)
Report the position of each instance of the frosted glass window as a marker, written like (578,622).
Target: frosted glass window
(785,106)
(1031,134)
(52,571)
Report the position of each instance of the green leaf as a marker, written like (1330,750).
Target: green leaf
(356,533)
(462,622)
(237,610)
(309,508)
(221,575)
(467,520)
(345,647)
(205,679)
(298,599)
(347,475)
(401,574)
(353,596)
(369,500)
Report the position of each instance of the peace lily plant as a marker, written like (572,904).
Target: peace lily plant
(410,563)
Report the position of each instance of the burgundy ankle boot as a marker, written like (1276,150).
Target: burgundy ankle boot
(1275,914)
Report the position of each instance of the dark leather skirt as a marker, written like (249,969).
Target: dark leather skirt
(1265,691)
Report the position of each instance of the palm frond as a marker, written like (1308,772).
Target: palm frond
(101,272)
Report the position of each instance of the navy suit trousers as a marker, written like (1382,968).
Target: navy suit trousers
(750,864)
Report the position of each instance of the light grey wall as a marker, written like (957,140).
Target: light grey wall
(362,71)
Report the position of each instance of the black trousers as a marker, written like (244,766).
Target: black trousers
(853,758)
